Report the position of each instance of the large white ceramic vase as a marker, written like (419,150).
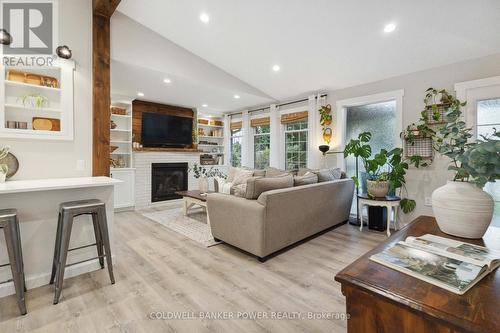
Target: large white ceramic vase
(462,209)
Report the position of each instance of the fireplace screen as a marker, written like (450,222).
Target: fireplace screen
(166,179)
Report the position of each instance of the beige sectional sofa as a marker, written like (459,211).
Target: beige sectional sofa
(281,217)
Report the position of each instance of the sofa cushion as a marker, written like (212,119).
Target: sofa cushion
(303,171)
(259,173)
(307,178)
(239,190)
(274,172)
(263,184)
(325,175)
(240,176)
(250,188)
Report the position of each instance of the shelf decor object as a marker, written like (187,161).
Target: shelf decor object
(36,103)
(211,141)
(32,78)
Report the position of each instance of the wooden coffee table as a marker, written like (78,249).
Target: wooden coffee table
(194,198)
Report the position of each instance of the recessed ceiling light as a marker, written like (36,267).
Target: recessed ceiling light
(204,18)
(204,105)
(140,94)
(167,80)
(389,27)
(276,68)
(236,96)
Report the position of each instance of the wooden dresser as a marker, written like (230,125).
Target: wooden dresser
(380,299)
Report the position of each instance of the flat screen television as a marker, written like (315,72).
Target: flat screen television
(162,130)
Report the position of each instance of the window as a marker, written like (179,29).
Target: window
(296,145)
(378,119)
(488,117)
(236,138)
(261,146)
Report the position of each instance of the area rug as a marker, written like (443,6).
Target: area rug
(194,226)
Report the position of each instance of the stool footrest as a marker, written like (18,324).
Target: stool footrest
(82,247)
(82,261)
(5,265)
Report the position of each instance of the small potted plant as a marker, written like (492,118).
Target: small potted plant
(384,173)
(325,115)
(4,169)
(202,174)
(35,100)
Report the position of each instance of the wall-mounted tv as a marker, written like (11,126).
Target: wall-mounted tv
(162,130)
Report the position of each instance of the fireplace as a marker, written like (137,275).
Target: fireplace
(166,179)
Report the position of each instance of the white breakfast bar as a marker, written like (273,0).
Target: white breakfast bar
(37,202)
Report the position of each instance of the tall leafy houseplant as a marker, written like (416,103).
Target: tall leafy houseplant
(461,207)
(385,166)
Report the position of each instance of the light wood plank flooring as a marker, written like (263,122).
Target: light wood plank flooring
(157,270)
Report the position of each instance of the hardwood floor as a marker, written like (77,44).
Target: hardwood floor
(157,270)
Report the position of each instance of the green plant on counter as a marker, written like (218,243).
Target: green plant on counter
(34,100)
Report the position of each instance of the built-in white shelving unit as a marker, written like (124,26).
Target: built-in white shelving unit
(211,141)
(121,137)
(40,95)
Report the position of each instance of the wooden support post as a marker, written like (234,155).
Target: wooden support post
(101,88)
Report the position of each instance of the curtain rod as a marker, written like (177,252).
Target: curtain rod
(278,105)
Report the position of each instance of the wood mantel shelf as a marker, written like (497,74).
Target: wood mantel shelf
(179,150)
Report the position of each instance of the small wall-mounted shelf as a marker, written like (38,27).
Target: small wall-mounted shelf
(37,102)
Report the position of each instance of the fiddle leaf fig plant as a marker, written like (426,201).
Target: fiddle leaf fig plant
(386,165)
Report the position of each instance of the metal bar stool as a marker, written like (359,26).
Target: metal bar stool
(67,212)
(10,225)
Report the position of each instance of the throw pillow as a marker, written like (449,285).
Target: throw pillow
(326,175)
(307,178)
(303,171)
(222,185)
(269,183)
(259,173)
(230,174)
(239,190)
(273,172)
(241,176)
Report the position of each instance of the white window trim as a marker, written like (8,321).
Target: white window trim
(283,136)
(254,134)
(462,89)
(231,136)
(342,105)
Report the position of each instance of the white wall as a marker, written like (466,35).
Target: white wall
(421,182)
(50,159)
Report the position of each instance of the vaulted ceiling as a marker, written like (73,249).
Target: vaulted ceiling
(319,44)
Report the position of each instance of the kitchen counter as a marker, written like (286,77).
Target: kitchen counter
(37,202)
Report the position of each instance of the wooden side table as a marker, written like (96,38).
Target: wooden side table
(389,202)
